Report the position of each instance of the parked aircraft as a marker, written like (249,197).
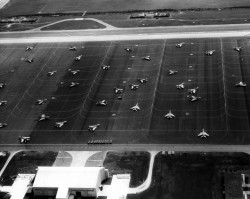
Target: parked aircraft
(148,58)
(92,128)
(2,125)
(2,103)
(104,67)
(128,49)
(169,115)
(73,84)
(52,73)
(237,48)
(193,98)
(24,139)
(241,84)
(2,85)
(60,124)
(118,90)
(179,45)
(172,72)
(133,86)
(41,101)
(43,117)
(142,80)
(30,60)
(193,90)
(72,48)
(74,72)
(28,48)
(102,103)
(210,52)
(180,86)
(203,134)
(78,58)
(135,108)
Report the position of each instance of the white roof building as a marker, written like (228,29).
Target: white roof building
(65,181)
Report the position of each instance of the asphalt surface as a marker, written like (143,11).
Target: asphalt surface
(201,31)
(223,110)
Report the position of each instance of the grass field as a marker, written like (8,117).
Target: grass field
(223,110)
(26,162)
(21,7)
(75,25)
(134,163)
(194,176)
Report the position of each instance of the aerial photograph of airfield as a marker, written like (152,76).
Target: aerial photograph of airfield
(115,99)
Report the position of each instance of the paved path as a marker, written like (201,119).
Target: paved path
(107,26)
(3,3)
(12,153)
(144,186)
(79,158)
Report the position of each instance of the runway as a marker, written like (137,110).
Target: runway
(149,33)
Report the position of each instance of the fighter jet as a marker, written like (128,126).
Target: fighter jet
(170,115)
(172,72)
(92,128)
(128,49)
(118,90)
(102,103)
(28,48)
(78,58)
(52,73)
(2,125)
(24,139)
(148,58)
(135,108)
(241,84)
(43,117)
(133,86)
(193,90)
(193,98)
(237,48)
(72,48)
(73,84)
(60,124)
(30,60)
(74,72)
(203,134)
(105,67)
(2,103)
(2,85)
(41,101)
(180,86)
(210,52)
(142,80)
(179,45)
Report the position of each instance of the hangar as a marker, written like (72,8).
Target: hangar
(62,182)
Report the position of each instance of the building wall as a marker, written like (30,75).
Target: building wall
(45,191)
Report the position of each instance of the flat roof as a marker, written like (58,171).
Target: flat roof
(67,177)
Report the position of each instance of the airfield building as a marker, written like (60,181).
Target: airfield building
(63,182)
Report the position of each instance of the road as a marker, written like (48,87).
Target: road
(204,31)
(128,147)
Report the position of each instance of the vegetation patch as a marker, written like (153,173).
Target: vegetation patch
(134,163)
(3,158)
(26,162)
(195,175)
(75,25)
